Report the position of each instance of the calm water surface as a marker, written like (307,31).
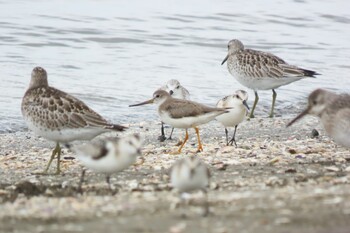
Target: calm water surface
(114,53)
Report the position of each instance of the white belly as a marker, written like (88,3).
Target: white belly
(185,182)
(66,134)
(234,117)
(264,83)
(108,164)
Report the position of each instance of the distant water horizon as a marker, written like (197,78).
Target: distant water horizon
(111,55)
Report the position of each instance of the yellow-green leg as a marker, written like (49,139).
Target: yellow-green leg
(274,95)
(254,105)
(57,151)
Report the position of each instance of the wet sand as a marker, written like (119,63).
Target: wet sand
(277,180)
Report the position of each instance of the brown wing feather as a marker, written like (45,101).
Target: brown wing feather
(259,64)
(179,108)
(59,109)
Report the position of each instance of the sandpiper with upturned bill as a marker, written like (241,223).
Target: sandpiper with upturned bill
(259,70)
(58,116)
(176,90)
(183,114)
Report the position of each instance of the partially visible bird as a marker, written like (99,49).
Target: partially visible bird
(190,174)
(238,108)
(108,155)
(176,90)
(334,112)
(259,70)
(58,116)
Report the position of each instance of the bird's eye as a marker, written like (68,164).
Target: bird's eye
(177,87)
(314,102)
(130,143)
(157,96)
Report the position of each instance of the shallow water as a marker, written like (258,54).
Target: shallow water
(111,54)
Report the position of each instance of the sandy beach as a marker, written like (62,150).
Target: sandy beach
(278,179)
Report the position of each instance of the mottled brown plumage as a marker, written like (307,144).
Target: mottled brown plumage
(58,116)
(259,70)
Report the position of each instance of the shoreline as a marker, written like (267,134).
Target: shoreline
(277,179)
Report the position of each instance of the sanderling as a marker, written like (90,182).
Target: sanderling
(238,108)
(190,174)
(108,155)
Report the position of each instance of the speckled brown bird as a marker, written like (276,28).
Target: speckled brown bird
(259,70)
(58,116)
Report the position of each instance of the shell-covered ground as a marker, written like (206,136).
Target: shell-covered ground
(278,179)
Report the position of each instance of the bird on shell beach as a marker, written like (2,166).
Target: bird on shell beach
(259,70)
(176,90)
(183,114)
(333,110)
(237,112)
(108,155)
(58,116)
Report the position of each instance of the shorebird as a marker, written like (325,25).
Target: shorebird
(190,174)
(238,109)
(334,112)
(109,155)
(259,70)
(182,114)
(58,116)
(176,90)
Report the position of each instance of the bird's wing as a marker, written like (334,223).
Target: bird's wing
(259,64)
(178,108)
(61,109)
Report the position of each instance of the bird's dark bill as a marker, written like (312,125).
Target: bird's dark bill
(224,60)
(143,103)
(301,115)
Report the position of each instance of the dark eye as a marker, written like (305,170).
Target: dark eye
(314,102)
(177,87)
(157,96)
(130,143)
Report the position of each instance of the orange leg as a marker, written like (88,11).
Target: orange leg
(200,146)
(182,145)
(186,138)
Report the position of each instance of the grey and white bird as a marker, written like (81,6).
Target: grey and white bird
(108,155)
(58,116)
(190,174)
(183,114)
(259,70)
(333,110)
(176,90)
(238,108)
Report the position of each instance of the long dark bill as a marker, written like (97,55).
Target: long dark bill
(224,60)
(301,115)
(246,105)
(143,103)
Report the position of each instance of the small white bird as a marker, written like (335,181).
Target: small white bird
(238,108)
(190,174)
(176,90)
(334,112)
(109,155)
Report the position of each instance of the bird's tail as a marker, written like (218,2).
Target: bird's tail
(298,72)
(116,127)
